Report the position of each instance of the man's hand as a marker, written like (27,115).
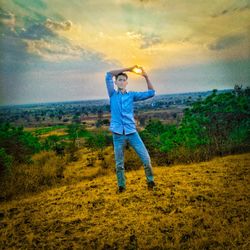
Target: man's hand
(143,72)
(138,70)
(118,71)
(133,67)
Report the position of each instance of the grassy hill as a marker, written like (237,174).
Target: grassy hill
(198,206)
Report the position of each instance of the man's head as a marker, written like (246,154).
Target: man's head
(121,80)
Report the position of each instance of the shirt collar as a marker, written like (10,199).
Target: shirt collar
(119,92)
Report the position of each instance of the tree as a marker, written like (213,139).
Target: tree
(98,140)
(5,162)
(216,125)
(155,127)
(17,143)
(74,130)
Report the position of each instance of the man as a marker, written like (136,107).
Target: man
(122,122)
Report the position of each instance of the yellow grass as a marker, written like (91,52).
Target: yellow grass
(57,132)
(198,206)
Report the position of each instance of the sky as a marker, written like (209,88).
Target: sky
(60,50)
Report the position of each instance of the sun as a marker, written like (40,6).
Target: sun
(137,70)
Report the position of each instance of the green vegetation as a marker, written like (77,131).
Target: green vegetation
(218,125)
(55,143)
(45,130)
(99,140)
(16,145)
(5,161)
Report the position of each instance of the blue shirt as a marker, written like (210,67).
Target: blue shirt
(122,108)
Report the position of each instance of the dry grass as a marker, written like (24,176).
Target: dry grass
(45,171)
(198,206)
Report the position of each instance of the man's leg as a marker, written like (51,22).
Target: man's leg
(138,145)
(119,141)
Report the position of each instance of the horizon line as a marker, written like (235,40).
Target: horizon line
(100,99)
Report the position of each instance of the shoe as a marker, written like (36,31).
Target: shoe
(121,189)
(151,185)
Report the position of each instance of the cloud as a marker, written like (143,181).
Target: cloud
(231,10)
(47,29)
(146,40)
(37,31)
(54,26)
(150,40)
(39,40)
(7,18)
(42,40)
(145,3)
(31,6)
(227,42)
(203,76)
(55,50)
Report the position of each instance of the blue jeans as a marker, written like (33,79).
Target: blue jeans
(137,144)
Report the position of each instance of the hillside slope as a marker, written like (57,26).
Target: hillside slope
(198,206)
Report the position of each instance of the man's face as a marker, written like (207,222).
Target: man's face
(121,82)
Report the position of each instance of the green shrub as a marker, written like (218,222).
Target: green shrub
(217,125)
(5,162)
(98,140)
(17,143)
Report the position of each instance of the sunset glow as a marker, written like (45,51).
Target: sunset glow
(61,50)
(137,70)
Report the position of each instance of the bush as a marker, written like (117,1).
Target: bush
(152,143)
(51,167)
(17,143)
(98,140)
(5,162)
(45,171)
(155,127)
(217,125)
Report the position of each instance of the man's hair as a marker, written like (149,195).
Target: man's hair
(121,74)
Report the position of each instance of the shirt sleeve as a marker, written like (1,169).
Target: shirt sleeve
(139,96)
(109,83)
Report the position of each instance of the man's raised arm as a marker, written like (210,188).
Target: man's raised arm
(139,96)
(118,71)
(144,74)
(109,83)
